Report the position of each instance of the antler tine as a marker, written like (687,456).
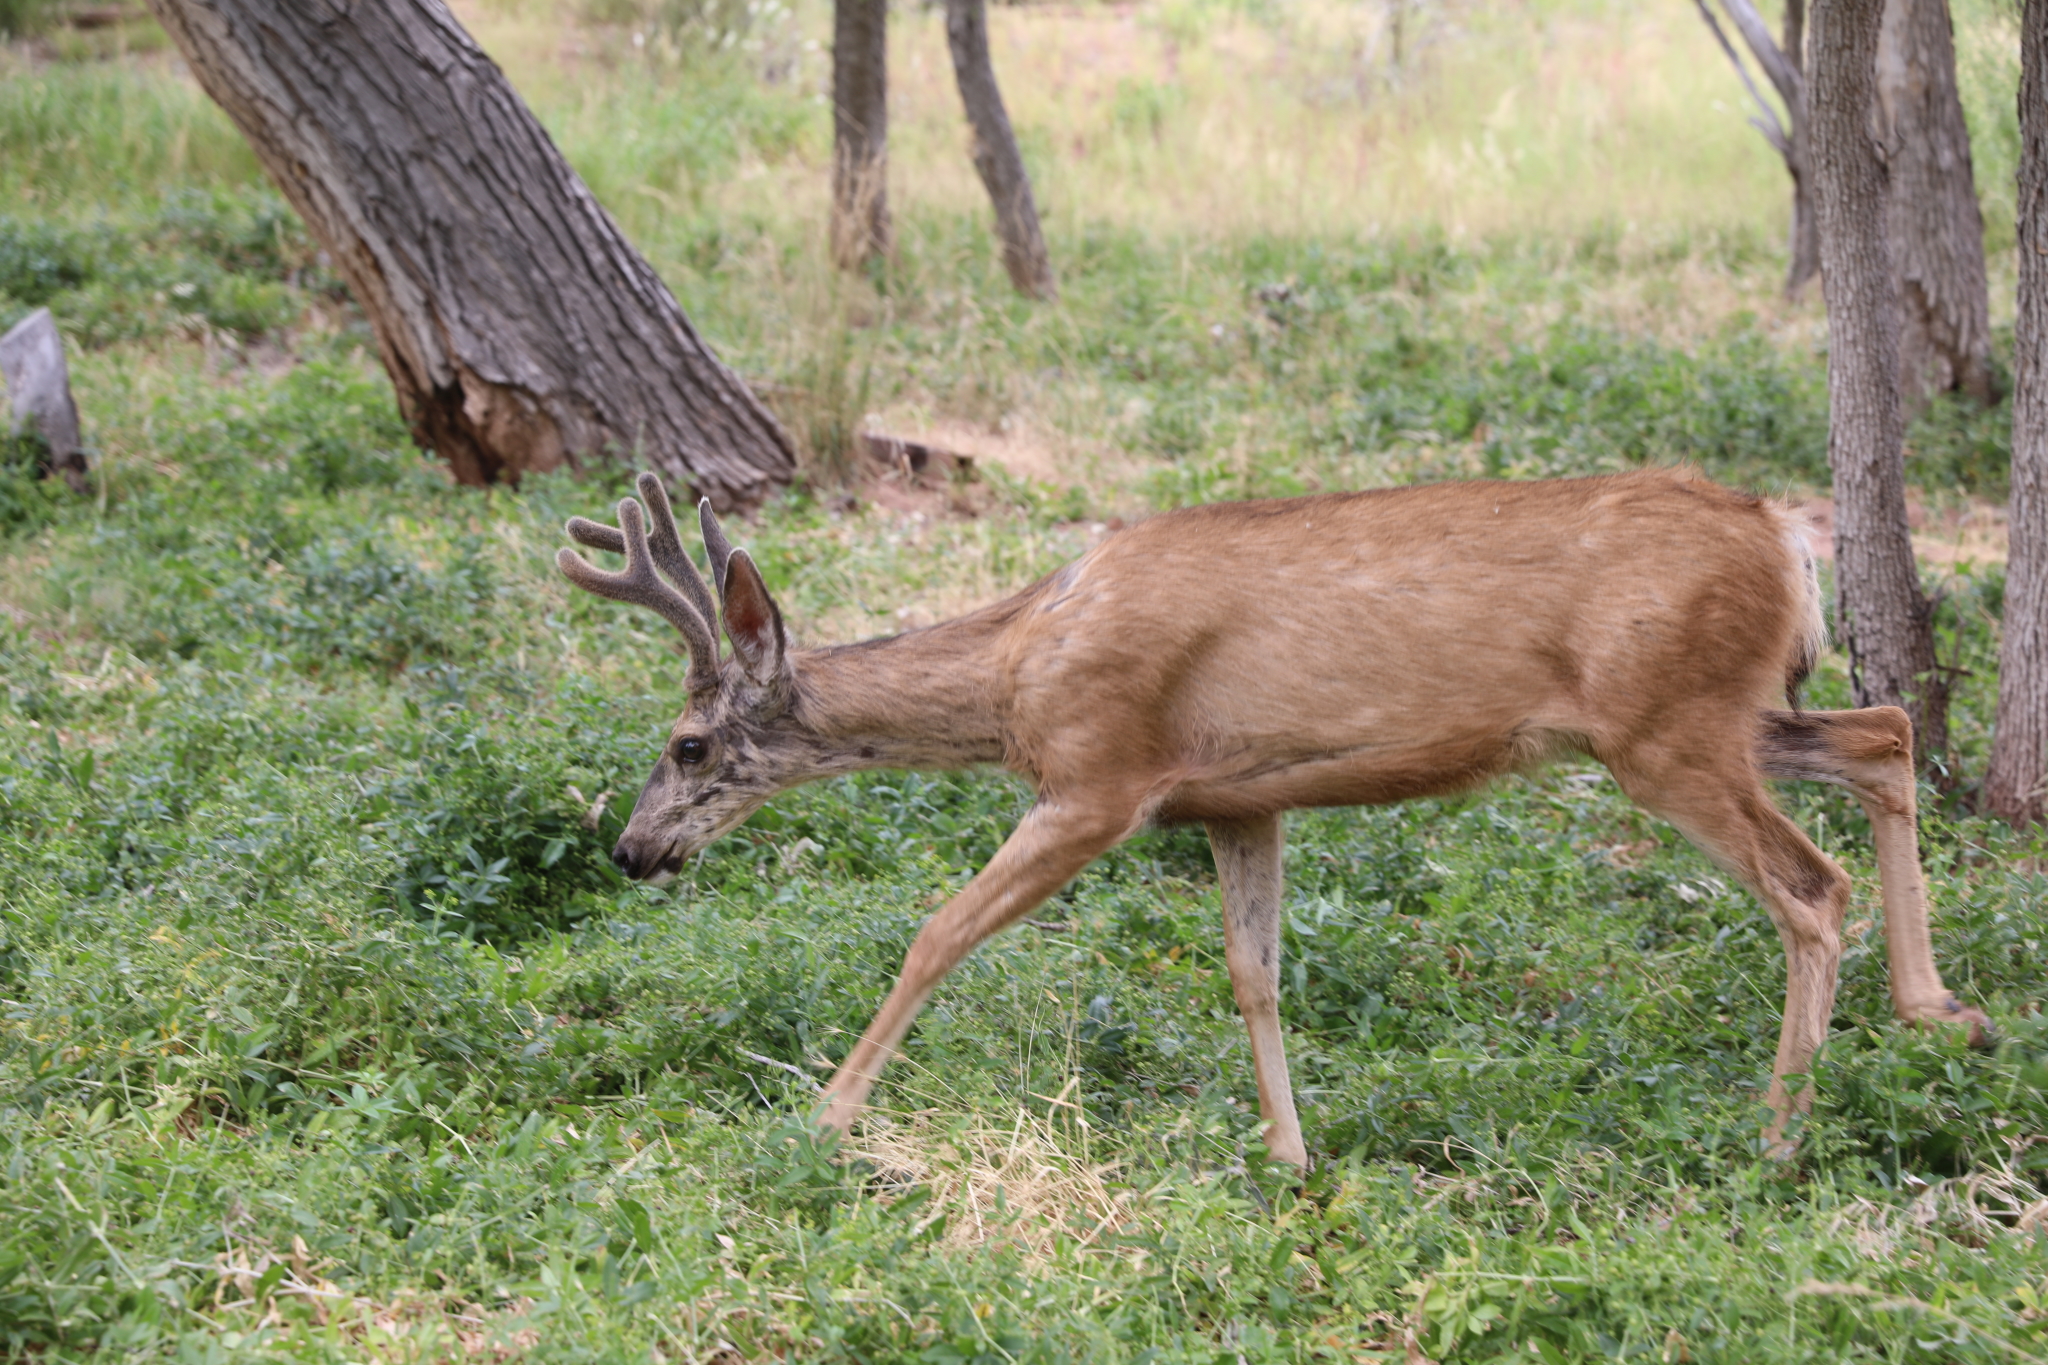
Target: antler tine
(641,586)
(596,535)
(662,540)
(716,547)
(669,553)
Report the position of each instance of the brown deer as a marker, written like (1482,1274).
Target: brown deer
(1232,662)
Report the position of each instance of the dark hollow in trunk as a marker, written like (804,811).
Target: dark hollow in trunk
(2019,747)
(520,328)
(1937,233)
(996,157)
(861,229)
(1883,617)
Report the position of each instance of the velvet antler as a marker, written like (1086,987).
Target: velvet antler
(641,585)
(662,539)
(716,547)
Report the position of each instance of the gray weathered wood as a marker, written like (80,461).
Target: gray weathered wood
(996,157)
(39,387)
(1881,615)
(520,328)
(2019,746)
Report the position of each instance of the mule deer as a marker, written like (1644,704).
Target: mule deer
(1229,663)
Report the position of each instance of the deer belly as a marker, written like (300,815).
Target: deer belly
(1365,774)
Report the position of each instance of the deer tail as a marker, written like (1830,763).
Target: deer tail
(1802,581)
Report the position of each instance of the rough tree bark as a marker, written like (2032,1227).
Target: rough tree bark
(996,157)
(1881,614)
(861,228)
(520,328)
(1937,233)
(1783,67)
(2019,746)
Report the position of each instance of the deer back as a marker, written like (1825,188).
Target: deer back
(1366,647)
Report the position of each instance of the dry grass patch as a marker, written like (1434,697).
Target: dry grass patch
(1017,1182)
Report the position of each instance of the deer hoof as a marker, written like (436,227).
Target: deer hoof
(1952,1011)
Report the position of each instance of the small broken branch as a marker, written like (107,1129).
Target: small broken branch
(806,1077)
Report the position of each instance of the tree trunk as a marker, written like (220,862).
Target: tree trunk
(861,230)
(1937,234)
(1805,238)
(520,328)
(1781,65)
(1883,617)
(2019,747)
(996,157)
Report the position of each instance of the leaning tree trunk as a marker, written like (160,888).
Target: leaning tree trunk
(2019,747)
(996,157)
(520,328)
(1937,234)
(1883,617)
(861,229)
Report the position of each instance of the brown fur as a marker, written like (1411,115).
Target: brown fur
(1228,663)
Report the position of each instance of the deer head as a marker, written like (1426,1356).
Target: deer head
(736,743)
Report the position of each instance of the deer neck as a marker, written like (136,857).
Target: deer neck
(932,698)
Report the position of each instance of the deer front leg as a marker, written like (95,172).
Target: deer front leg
(1052,843)
(1249,869)
(1871,753)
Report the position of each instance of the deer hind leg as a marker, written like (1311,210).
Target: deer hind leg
(1871,753)
(1248,867)
(1052,843)
(1722,807)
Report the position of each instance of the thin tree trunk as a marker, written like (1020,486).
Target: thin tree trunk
(1805,236)
(996,157)
(1937,233)
(2019,747)
(1781,65)
(520,328)
(1883,617)
(1805,242)
(861,228)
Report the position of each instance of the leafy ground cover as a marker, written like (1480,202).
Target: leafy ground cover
(328,1032)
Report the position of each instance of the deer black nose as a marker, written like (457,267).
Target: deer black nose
(623,858)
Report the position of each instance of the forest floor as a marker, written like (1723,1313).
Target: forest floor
(328,1032)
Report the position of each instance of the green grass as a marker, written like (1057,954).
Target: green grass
(328,1032)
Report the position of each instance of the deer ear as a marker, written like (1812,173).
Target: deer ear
(752,620)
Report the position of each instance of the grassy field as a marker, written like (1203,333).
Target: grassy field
(327,1031)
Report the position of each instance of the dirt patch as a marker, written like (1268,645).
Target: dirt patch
(1022,451)
(1948,534)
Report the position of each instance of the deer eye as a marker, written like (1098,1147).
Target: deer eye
(689,751)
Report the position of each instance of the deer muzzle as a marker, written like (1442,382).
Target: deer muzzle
(644,862)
